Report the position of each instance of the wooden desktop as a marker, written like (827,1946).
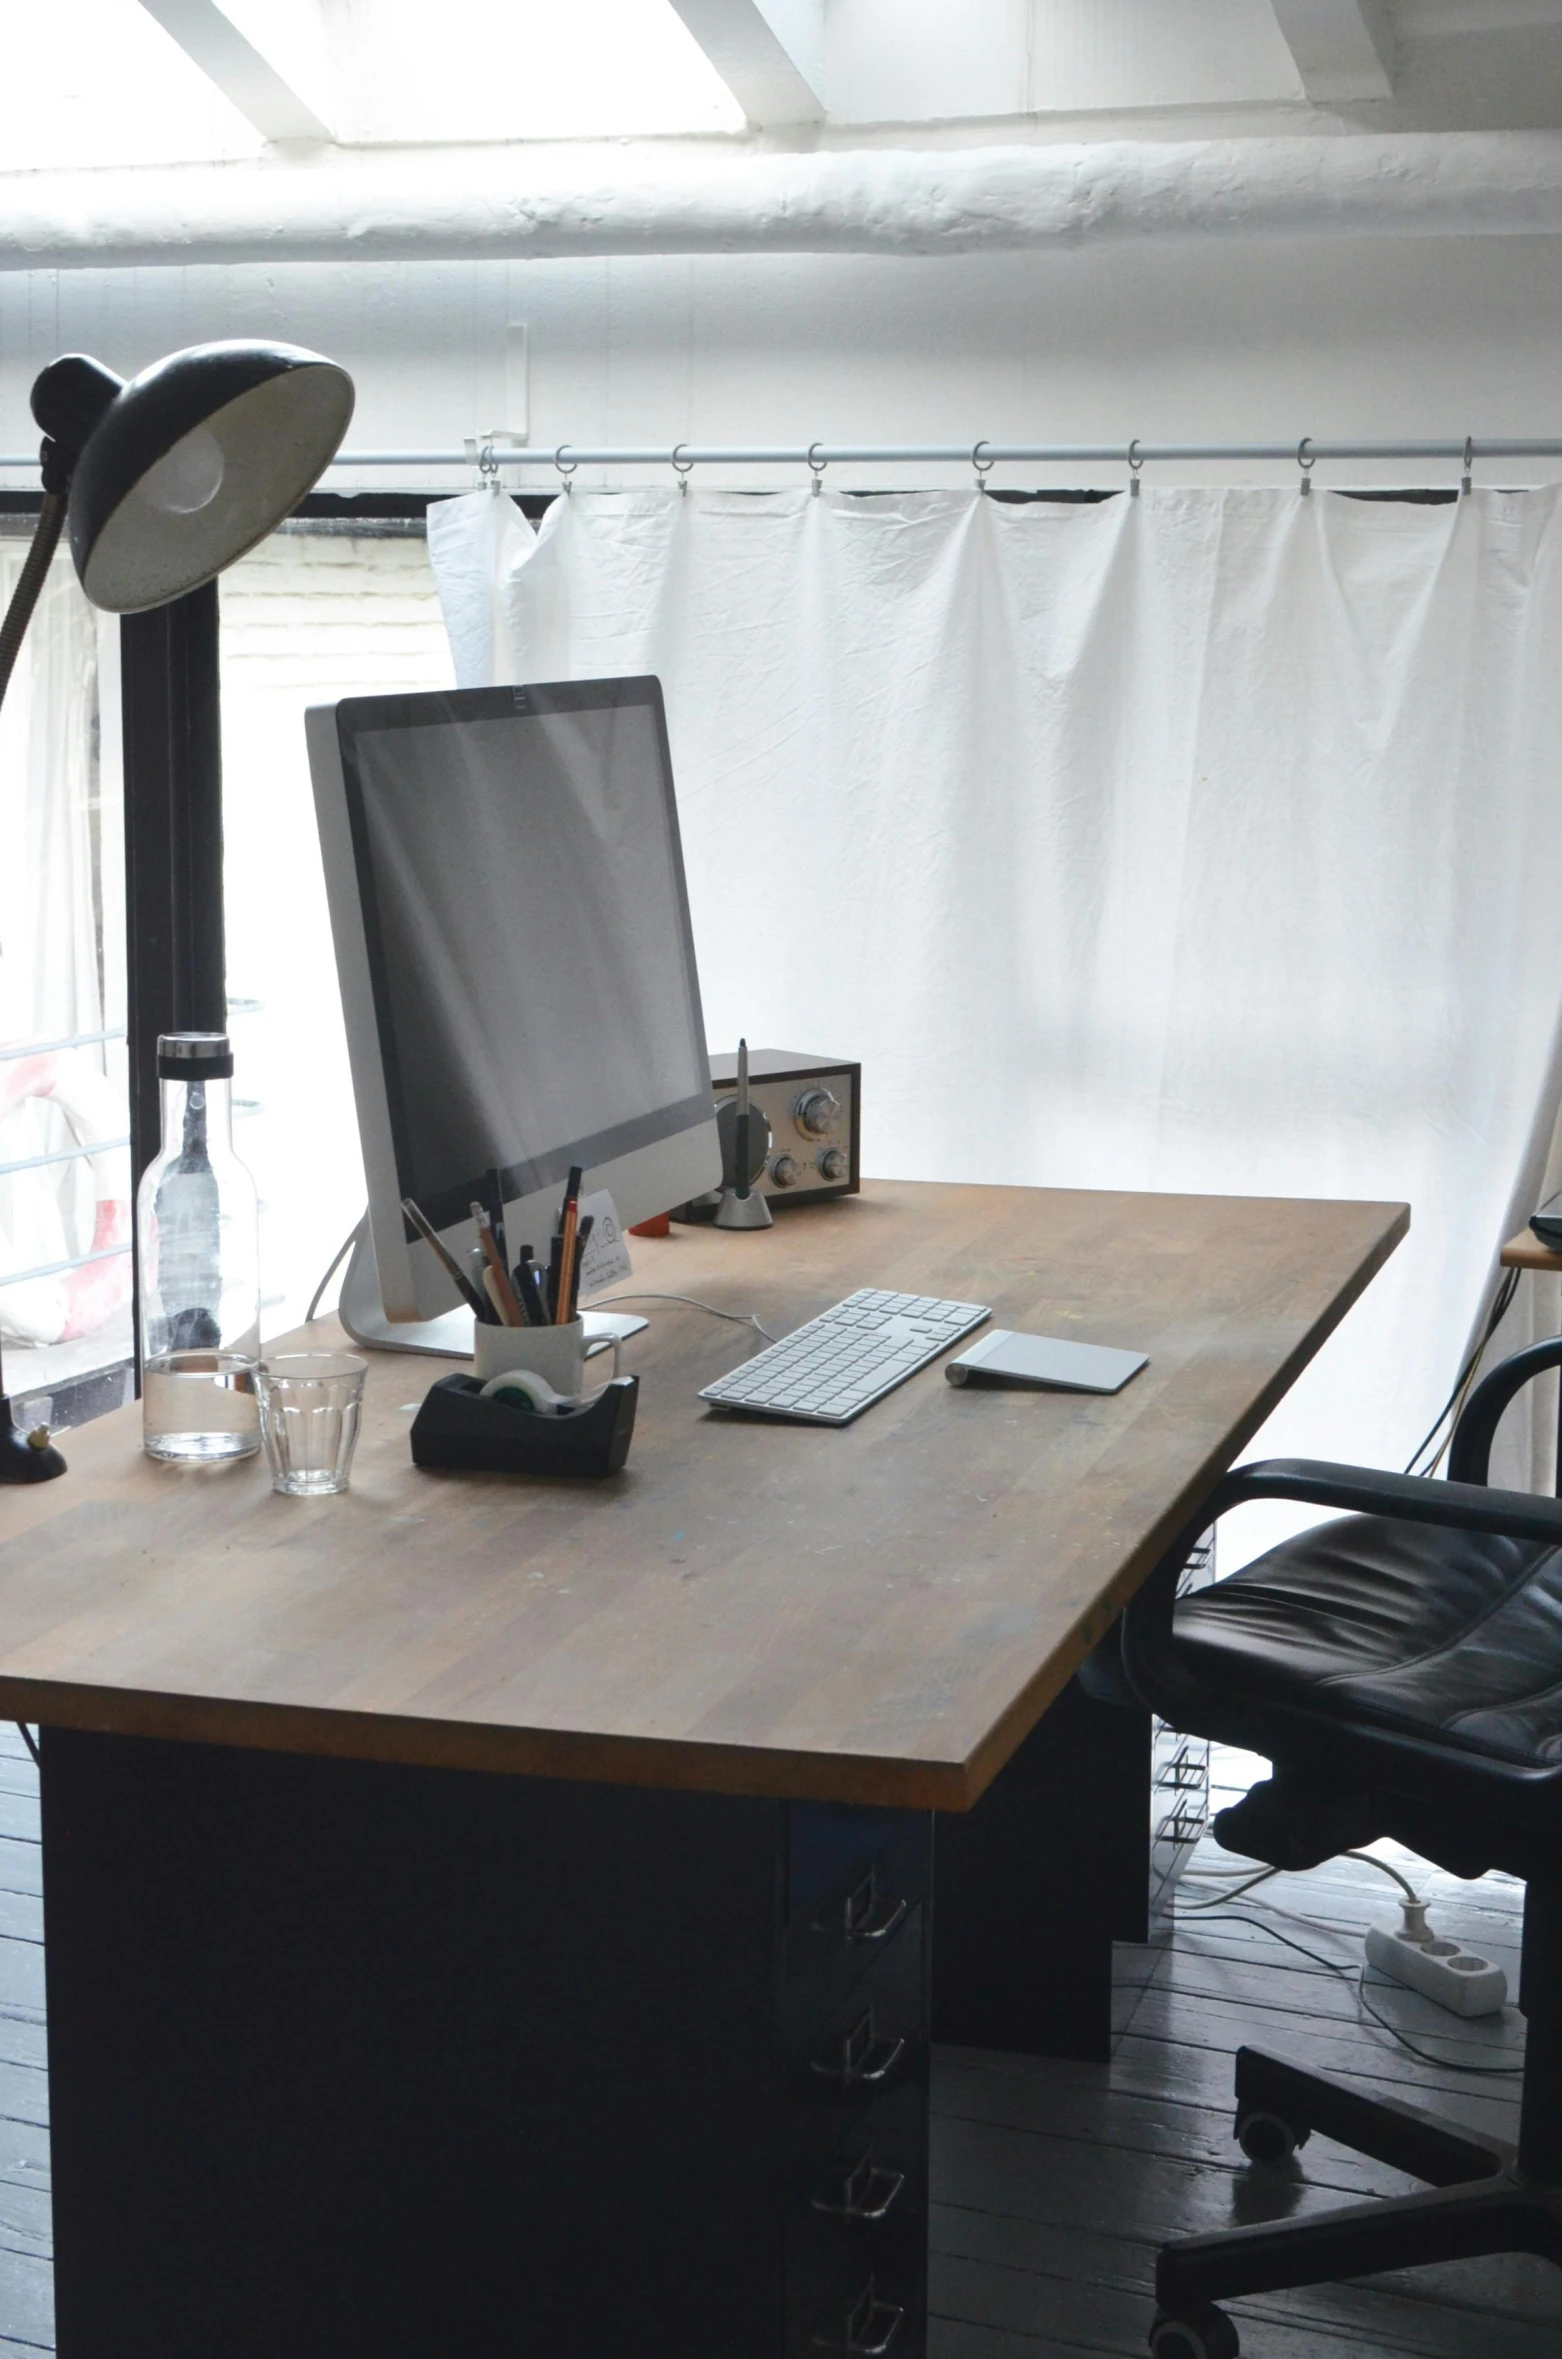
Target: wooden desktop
(485,1911)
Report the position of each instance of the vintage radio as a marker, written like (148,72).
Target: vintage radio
(813,1109)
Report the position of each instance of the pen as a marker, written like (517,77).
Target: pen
(498,1276)
(496,1211)
(528,1287)
(447,1261)
(582,1240)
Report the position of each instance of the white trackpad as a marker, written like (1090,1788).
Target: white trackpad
(1003,1357)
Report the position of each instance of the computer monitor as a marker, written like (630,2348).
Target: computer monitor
(512,935)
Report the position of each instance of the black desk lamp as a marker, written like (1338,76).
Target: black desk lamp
(163,482)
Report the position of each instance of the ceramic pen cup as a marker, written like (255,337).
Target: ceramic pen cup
(557,1354)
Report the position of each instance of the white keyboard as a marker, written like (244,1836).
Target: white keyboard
(850,1356)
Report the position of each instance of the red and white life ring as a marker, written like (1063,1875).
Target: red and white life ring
(80,1301)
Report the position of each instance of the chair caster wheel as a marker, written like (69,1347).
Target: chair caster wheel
(1267,2138)
(1202,2334)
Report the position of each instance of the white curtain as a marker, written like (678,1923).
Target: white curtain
(61,975)
(1209,840)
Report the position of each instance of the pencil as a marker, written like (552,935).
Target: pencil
(566,1283)
(447,1261)
(498,1275)
(565,1246)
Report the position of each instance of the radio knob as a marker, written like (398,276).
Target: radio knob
(832,1163)
(784,1171)
(815,1112)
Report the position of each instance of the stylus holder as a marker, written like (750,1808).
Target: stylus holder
(456,1427)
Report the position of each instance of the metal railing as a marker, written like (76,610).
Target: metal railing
(77,1261)
(47,1048)
(63,1155)
(56,1269)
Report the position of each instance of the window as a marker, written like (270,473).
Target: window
(65,1266)
(318,612)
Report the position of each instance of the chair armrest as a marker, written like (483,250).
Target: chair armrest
(1151,1664)
(1469,1454)
(1414,1498)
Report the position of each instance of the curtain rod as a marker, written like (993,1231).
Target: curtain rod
(566,456)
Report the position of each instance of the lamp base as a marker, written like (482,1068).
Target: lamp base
(26,1457)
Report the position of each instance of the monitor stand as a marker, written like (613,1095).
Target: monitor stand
(362,1312)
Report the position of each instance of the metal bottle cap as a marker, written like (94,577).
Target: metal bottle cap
(194,1056)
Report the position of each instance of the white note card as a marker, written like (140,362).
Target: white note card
(605,1261)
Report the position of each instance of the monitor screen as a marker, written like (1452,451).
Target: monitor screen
(527,929)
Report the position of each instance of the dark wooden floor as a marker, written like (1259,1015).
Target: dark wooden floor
(1052,2182)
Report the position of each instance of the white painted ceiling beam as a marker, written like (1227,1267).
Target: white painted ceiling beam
(1343,49)
(497,204)
(242,71)
(768,52)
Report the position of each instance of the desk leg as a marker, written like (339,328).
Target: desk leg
(357,2062)
(1035,1884)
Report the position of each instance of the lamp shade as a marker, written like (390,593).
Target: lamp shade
(177,473)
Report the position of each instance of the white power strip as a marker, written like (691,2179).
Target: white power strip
(1456,1978)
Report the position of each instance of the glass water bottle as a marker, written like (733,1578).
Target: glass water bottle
(197,1235)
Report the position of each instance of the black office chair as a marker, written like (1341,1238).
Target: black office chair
(1402,1670)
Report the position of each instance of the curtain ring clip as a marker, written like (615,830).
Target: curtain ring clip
(1135,468)
(487,464)
(816,468)
(565,472)
(683,469)
(1466,480)
(983,469)
(1306,460)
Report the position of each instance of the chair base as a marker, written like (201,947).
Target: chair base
(1478,2202)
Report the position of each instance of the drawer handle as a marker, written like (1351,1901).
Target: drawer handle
(869,2328)
(1183,1770)
(859,1919)
(865,2058)
(866,2192)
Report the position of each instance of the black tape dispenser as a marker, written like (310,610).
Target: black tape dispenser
(518,1424)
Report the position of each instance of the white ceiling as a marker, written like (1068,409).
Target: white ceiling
(175,81)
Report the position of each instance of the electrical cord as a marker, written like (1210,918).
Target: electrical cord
(1235,1891)
(1357,1978)
(1226,1892)
(1216,1911)
(642,1294)
(1449,1413)
(337,1258)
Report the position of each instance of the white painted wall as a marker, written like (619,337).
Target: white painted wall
(1203,341)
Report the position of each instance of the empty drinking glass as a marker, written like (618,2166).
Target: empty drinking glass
(309,1404)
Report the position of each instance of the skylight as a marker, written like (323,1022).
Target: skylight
(121,90)
(526,69)
(99,82)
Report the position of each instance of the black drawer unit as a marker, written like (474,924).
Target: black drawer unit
(652,2066)
(856,2014)
(1179,1777)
